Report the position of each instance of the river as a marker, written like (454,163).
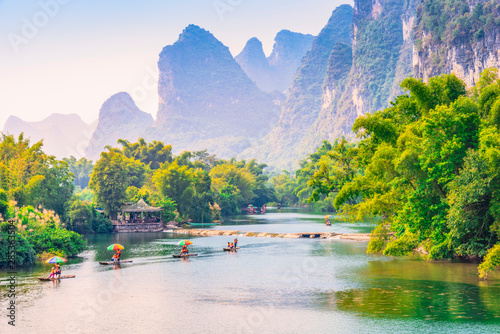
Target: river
(271,285)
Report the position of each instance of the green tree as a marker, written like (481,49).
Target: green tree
(81,169)
(239,177)
(169,208)
(284,185)
(176,182)
(109,182)
(470,198)
(80,217)
(151,154)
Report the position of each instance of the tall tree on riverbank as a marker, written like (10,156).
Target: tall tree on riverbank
(81,168)
(176,182)
(109,182)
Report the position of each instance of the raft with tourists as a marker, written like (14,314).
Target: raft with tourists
(56,278)
(114,262)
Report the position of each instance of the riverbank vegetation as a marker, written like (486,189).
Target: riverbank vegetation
(429,166)
(35,194)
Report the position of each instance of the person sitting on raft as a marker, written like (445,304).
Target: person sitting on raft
(184,250)
(58,270)
(232,246)
(118,254)
(228,244)
(53,272)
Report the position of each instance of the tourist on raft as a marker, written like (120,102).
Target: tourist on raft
(58,270)
(184,250)
(53,272)
(116,256)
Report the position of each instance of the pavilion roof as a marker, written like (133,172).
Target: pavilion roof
(140,206)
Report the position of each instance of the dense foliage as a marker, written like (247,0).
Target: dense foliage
(25,254)
(81,170)
(36,191)
(31,177)
(191,186)
(319,178)
(37,233)
(428,166)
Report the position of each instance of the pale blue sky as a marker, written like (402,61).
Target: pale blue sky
(79,52)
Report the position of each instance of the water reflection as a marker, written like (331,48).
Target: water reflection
(420,299)
(288,285)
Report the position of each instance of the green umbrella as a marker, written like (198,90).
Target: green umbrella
(184,242)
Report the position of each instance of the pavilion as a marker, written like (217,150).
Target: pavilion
(139,217)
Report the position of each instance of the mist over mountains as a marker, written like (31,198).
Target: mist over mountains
(276,72)
(119,118)
(279,108)
(62,135)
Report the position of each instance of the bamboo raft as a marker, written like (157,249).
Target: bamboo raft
(115,262)
(56,279)
(228,249)
(184,255)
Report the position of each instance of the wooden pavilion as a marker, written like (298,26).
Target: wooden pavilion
(139,217)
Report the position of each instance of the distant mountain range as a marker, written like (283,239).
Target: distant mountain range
(276,72)
(279,108)
(62,135)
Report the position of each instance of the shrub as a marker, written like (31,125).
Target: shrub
(490,262)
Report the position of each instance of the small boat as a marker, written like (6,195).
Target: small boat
(115,262)
(55,279)
(203,224)
(184,255)
(227,249)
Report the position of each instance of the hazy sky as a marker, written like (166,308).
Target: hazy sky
(69,56)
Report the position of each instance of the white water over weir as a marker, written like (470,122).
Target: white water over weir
(311,235)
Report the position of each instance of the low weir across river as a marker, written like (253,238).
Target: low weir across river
(311,235)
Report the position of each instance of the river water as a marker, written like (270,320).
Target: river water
(271,285)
